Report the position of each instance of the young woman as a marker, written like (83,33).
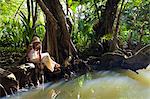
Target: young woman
(35,55)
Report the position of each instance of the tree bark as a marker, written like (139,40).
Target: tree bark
(115,33)
(108,15)
(140,60)
(50,40)
(107,18)
(57,37)
(28,7)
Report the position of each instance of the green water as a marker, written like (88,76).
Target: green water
(101,85)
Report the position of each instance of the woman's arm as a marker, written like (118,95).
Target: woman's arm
(40,51)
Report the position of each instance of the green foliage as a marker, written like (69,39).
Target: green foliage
(8,7)
(106,37)
(28,30)
(136,19)
(85,16)
(17,31)
(11,33)
(135,16)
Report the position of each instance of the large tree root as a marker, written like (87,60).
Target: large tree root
(139,60)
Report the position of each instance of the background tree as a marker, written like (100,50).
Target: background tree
(135,24)
(105,24)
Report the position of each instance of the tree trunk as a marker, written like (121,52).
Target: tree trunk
(130,40)
(28,7)
(105,25)
(50,41)
(115,33)
(57,38)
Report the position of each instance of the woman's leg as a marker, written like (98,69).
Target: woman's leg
(48,62)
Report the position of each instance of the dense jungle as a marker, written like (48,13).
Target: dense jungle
(86,49)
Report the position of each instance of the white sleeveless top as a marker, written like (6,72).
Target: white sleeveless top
(33,55)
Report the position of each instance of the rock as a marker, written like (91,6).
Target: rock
(2,62)
(16,54)
(10,60)
(24,74)
(8,83)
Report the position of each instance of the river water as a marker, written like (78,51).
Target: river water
(117,84)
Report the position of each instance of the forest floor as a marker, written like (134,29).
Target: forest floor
(10,58)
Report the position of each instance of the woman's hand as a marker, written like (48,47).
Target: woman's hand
(57,67)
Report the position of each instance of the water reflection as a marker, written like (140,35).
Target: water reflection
(101,85)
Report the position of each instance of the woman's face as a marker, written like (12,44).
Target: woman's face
(36,45)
